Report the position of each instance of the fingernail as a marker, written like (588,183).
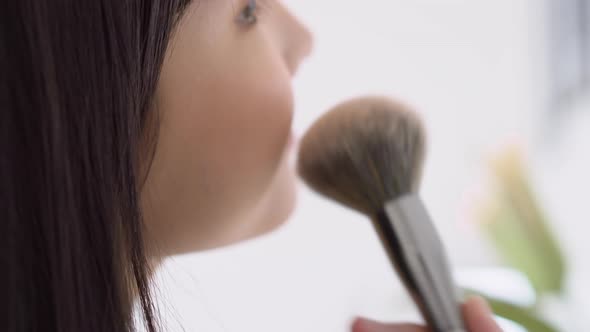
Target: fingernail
(482,304)
(479,315)
(363,324)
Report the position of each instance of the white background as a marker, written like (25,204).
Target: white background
(475,71)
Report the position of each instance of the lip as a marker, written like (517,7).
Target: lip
(292,141)
(291,149)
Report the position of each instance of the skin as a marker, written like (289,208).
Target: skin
(220,170)
(224,102)
(476,314)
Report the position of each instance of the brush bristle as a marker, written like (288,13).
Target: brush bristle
(364,153)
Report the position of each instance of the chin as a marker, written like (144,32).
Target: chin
(280,200)
(273,209)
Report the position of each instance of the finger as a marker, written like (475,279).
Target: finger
(366,325)
(478,316)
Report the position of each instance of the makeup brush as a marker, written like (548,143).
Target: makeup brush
(367,154)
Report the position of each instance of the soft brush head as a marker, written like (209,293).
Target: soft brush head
(364,153)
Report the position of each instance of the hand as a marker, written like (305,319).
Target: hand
(476,314)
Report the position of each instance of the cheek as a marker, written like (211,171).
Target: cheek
(222,140)
(242,123)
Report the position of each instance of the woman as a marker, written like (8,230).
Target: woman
(135,129)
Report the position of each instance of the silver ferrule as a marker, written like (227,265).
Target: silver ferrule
(411,238)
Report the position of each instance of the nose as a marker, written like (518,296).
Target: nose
(298,41)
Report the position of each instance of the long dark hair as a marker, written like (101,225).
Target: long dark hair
(77,79)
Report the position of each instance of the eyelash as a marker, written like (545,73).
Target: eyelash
(250,13)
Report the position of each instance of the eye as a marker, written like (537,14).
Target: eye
(249,14)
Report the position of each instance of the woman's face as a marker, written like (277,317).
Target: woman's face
(221,171)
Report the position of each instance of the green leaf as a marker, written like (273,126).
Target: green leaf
(523,316)
(519,229)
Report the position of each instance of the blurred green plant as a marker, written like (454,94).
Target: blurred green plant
(526,317)
(518,228)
